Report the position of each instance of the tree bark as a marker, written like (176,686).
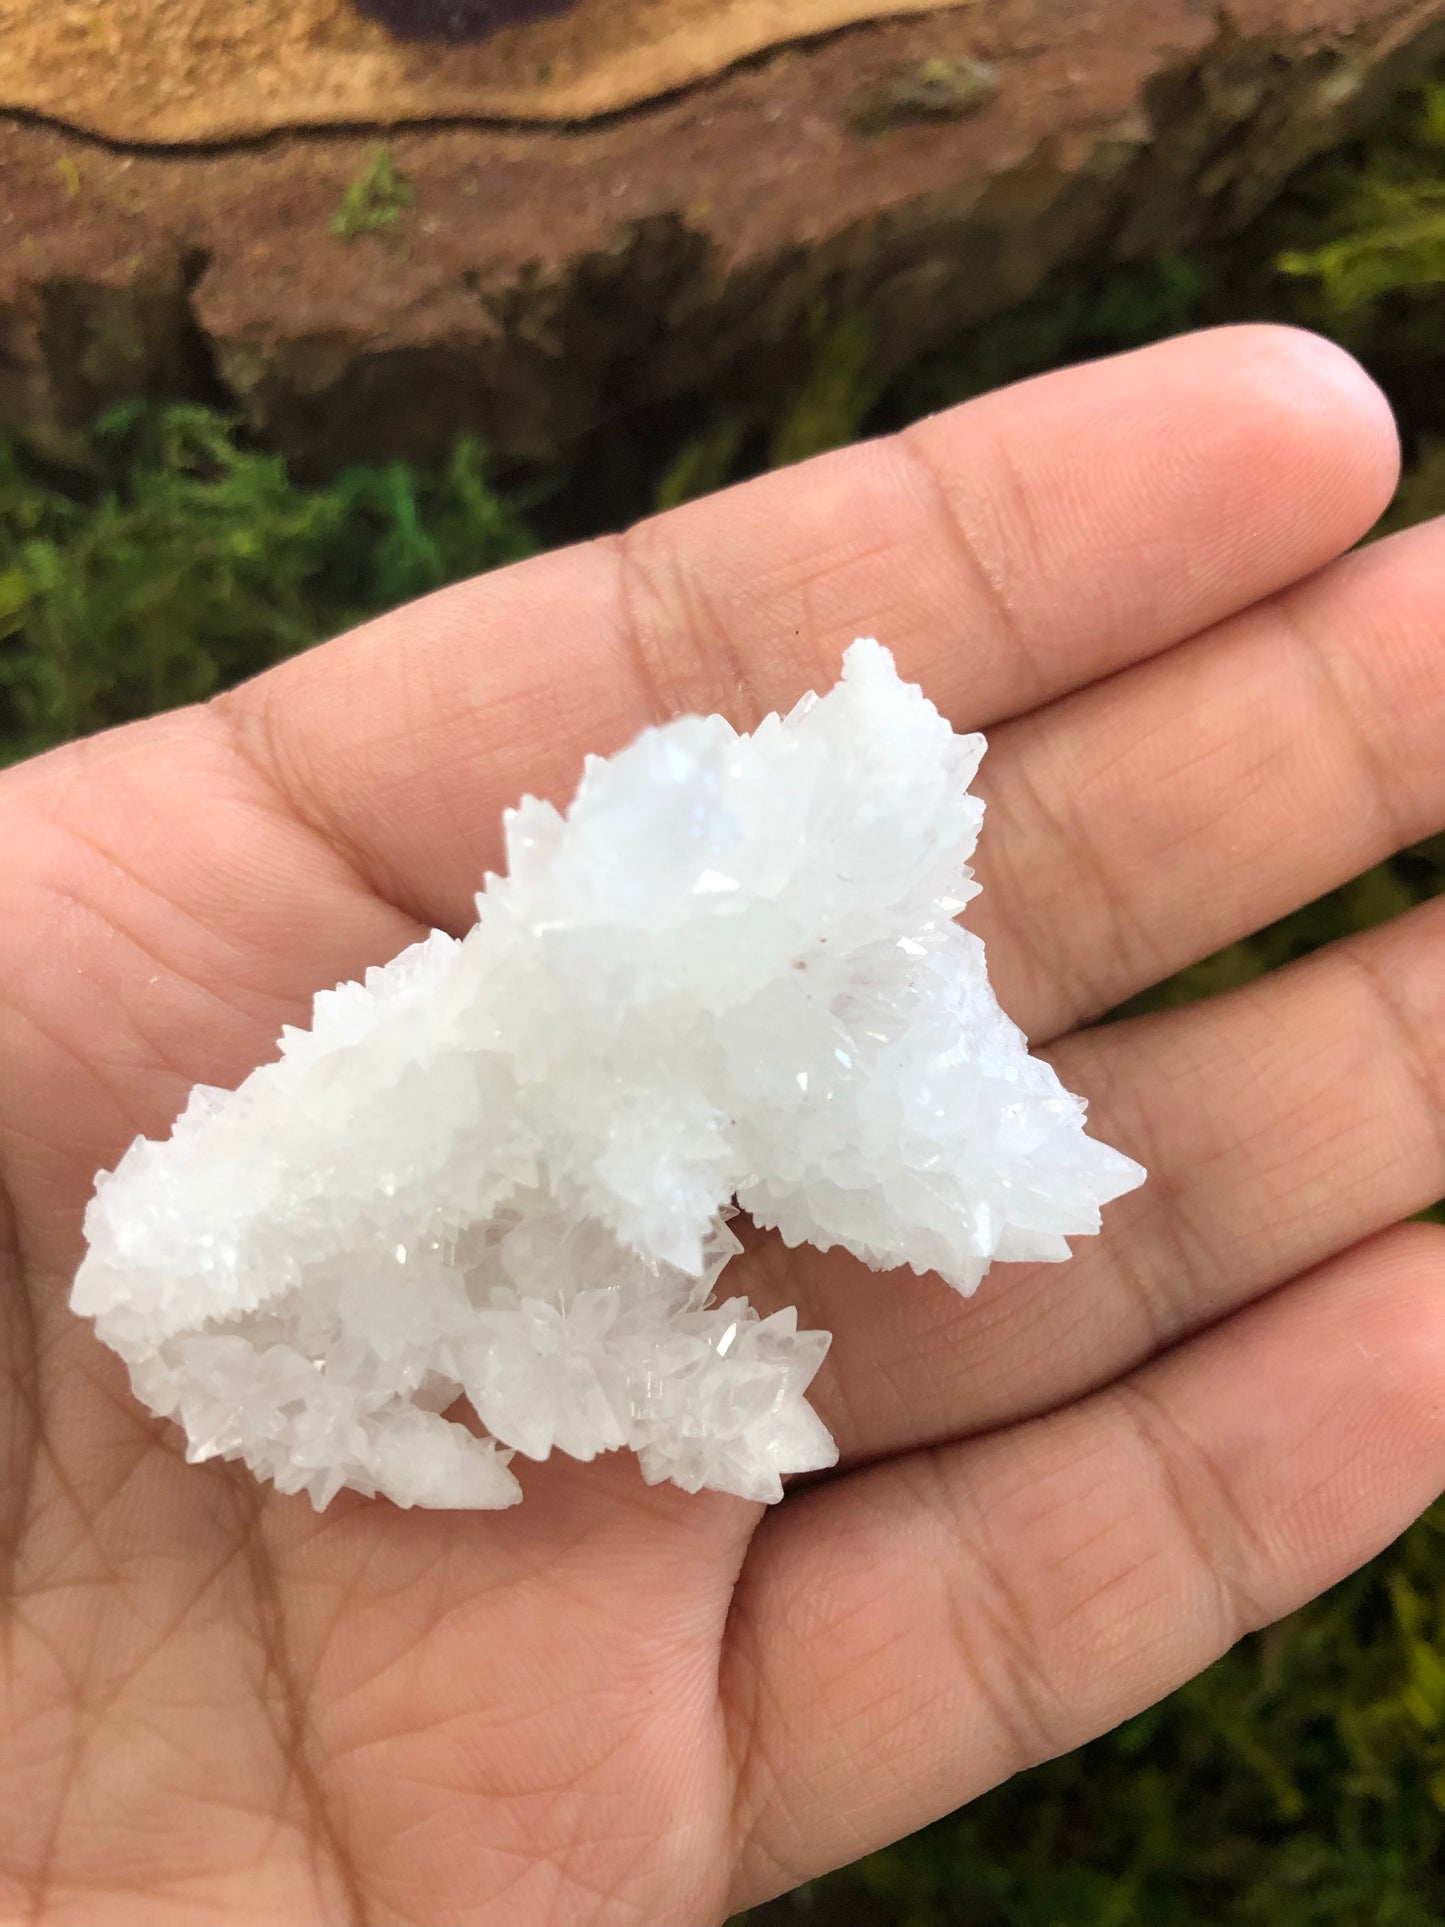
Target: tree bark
(529,284)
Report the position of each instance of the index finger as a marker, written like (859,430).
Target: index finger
(1006,551)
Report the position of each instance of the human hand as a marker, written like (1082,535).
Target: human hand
(619,1704)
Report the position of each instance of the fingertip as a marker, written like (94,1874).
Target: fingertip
(1329,413)
(1405,1268)
(1372,1324)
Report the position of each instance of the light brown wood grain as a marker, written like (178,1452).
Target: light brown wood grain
(178,71)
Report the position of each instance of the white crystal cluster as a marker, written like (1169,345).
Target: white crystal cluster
(501,1168)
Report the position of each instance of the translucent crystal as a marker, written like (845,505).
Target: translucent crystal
(501,1168)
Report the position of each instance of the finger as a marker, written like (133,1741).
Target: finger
(1201,795)
(1006,551)
(912,1635)
(1279,1124)
(161,918)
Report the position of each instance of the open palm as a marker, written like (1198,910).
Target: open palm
(1056,1501)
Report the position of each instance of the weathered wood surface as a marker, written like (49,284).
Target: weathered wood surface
(541,280)
(208,70)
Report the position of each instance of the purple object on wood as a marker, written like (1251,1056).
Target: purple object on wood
(456,19)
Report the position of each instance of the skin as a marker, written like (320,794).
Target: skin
(1057,1500)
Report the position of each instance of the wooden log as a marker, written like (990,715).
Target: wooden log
(365,292)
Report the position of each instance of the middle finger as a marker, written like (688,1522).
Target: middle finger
(1146,822)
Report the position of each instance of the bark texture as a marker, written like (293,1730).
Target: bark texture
(529,283)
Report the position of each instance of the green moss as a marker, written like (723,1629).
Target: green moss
(376,202)
(1385,212)
(833,402)
(1400,243)
(199,561)
(706,462)
(938,87)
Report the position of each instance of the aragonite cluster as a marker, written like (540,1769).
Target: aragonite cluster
(501,1168)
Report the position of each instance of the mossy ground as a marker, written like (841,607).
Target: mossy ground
(1302,1779)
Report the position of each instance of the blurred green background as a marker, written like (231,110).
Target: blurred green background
(1302,1779)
